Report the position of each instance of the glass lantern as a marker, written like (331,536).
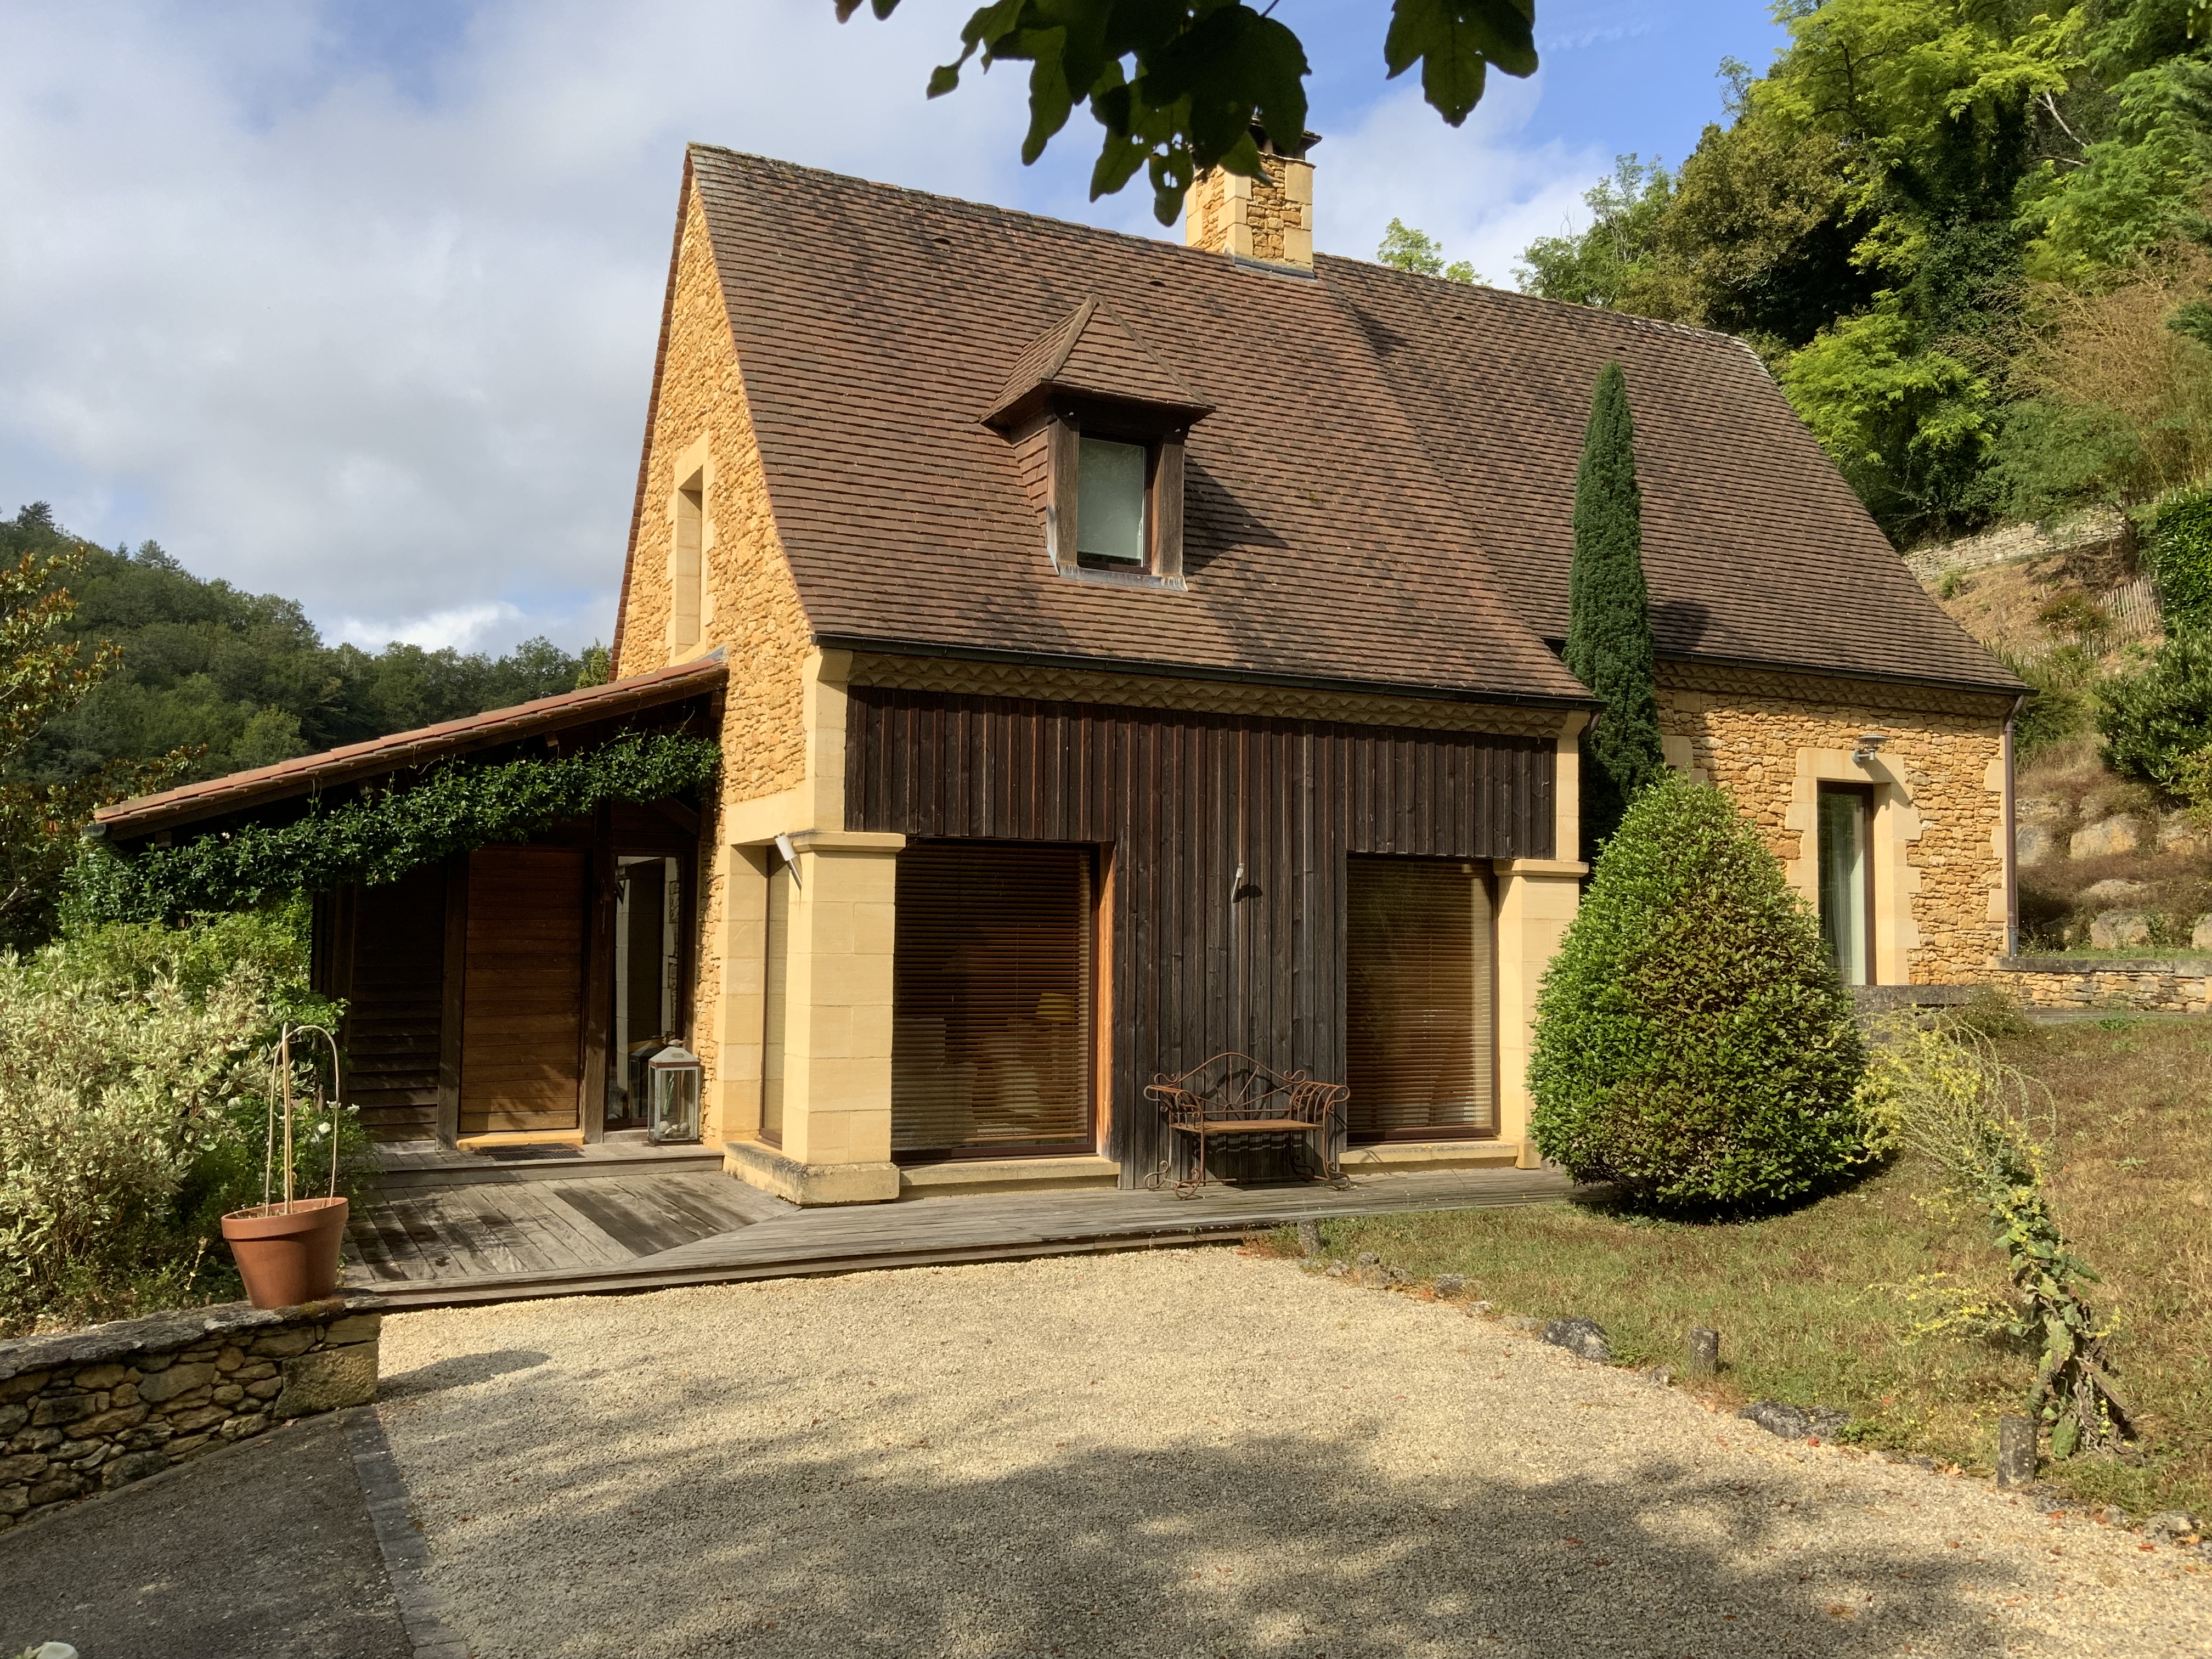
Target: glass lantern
(672,1078)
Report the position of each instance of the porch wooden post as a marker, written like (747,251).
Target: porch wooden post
(454,999)
(598,974)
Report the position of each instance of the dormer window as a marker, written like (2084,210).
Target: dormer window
(1096,423)
(1110,481)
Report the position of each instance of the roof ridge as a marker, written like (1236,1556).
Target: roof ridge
(1509,296)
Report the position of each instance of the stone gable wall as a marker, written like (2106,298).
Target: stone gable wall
(749,602)
(91,1410)
(1943,919)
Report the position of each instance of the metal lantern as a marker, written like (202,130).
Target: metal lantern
(672,1078)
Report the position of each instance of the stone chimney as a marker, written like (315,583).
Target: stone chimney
(1269,221)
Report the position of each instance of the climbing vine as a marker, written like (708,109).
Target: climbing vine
(378,839)
(1945,1094)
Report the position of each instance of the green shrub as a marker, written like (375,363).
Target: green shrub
(134,1064)
(2157,724)
(2060,704)
(2181,558)
(1694,1044)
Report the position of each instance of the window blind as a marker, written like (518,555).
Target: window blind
(991,1048)
(1417,961)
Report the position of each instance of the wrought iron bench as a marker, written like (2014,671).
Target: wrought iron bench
(1234,1096)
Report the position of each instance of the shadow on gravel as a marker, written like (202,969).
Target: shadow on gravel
(459,1371)
(1269,1546)
(258,1551)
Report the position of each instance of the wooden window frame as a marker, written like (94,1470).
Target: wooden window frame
(1066,427)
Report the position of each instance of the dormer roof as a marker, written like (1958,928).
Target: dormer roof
(1093,355)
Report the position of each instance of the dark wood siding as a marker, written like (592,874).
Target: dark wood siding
(1181,801)
(381,950)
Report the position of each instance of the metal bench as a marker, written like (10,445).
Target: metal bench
(1233,1095)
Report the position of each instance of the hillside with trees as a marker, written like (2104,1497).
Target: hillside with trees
(169,676)
(1970,240)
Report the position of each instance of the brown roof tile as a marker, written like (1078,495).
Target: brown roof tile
(1092,352)
(1382,496)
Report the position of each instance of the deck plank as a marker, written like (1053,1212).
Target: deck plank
(626,1229)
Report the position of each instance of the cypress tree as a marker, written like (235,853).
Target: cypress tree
(1610,616)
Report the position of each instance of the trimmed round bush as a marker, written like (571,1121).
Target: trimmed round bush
(1694,1044)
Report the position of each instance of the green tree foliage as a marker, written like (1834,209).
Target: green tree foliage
(153,676)
(2181,558)
(1900,210)
(1617,261)
(243,679)
(1692,1042)
(1609,615)
(1421,254)
(2157,724)
(43,676)
(1180,86)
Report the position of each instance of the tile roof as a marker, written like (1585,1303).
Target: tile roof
(1093,352)
(306,774)
(1383,493)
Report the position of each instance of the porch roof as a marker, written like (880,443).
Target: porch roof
(144,815)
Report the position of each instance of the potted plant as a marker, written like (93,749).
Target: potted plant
(286,1249)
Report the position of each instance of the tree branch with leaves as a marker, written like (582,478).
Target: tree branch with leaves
(44,674)
(1181,86)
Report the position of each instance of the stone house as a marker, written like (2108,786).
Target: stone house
(1125,652)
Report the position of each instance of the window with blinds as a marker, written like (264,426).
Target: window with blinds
(1417,964)
(991,1047)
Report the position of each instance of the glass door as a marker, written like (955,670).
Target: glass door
(1846,855)
(648,969)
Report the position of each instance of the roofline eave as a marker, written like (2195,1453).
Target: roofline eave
(1141,665)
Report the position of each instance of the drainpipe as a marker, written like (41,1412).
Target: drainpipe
(2011,841)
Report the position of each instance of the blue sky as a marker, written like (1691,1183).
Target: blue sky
(355,300)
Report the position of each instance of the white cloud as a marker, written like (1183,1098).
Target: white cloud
(376,332)
(464,627)
(1478,189)
(389,353)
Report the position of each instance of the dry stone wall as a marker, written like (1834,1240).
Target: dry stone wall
(2144,985)
(90,1410)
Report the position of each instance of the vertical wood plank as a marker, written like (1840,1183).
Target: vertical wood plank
(453,1002)
(600,971)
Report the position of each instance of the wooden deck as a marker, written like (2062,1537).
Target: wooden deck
(513,1236)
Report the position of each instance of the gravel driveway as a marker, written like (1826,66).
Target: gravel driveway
(1187,1452)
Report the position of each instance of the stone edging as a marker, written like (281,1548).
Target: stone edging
(2177,967)
(89,1411)
(406,1554)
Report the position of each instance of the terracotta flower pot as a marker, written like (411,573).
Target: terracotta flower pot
(286,1260)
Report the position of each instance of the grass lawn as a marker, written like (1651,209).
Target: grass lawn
(1804,1302)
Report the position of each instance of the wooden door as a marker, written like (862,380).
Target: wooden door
(522,1022)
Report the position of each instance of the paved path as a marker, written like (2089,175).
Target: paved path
(258,1551)
(1177,1453)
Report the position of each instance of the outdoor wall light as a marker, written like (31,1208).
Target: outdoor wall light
(1871,745)
(671,1090)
